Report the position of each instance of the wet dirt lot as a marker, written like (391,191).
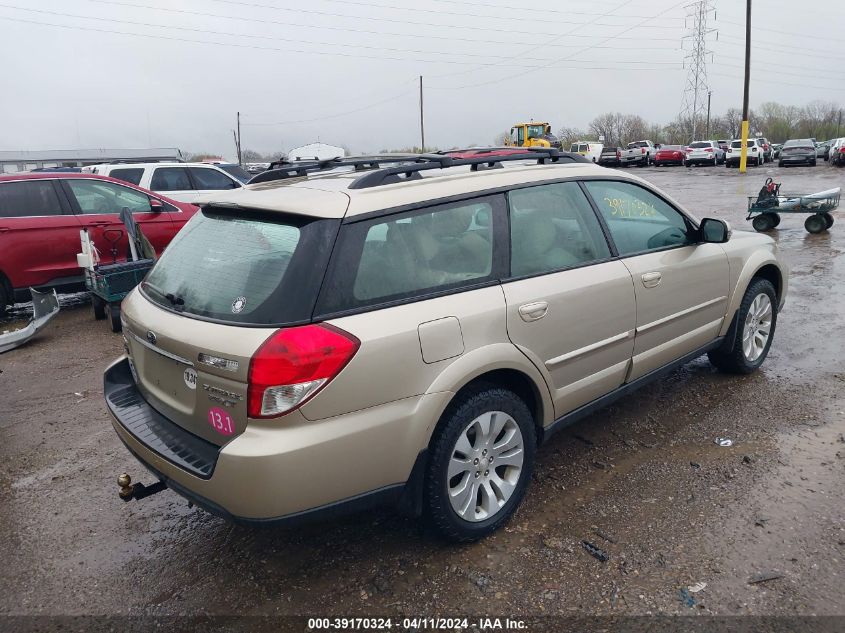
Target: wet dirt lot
(643,480)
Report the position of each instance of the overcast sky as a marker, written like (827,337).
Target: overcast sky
(172,73)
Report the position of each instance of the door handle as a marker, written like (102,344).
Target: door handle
(99,223)
(533,311)
(650,280)
(4,229)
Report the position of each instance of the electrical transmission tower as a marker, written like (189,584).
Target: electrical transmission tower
(695,101)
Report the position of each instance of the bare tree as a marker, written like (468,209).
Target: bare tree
(501,139)
(569,135)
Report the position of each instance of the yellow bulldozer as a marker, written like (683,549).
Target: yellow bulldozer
(532,134)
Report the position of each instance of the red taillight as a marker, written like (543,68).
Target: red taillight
(618,154)
(293,365)
(708,149)
(643,150)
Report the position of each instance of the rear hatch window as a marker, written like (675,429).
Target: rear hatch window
(244,267)
(700,145)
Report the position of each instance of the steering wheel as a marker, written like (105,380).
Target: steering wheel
(667,237)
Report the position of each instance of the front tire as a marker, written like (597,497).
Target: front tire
(763,222)
(482,457)
(815,223)
(755,330)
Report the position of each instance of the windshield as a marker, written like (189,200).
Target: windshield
(670,148)
(637,144)
(236,171)
(262,269)
(536,131)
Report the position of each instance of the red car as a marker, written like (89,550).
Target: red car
(670,155)
(42,213)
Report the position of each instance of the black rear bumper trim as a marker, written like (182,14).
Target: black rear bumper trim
(149,427)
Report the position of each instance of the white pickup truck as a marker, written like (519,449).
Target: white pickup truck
(638,153)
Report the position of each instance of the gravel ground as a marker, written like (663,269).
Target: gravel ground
(687,524)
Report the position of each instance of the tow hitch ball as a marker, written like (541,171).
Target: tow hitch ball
(129,491)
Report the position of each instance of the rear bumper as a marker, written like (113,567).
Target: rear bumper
(279,470)
(797,160)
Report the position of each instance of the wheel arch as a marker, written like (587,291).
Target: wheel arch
(759,267)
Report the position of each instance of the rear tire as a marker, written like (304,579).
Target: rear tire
(456,463)
(776,218)
(815,223)
(113,312)
(780,163)
(828,218)
(5,299)
(99,307)
(749,347)
(813,163)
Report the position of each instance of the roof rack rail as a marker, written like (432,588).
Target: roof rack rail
(360,163)
(391,175)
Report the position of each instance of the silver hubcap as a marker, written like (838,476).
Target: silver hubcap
(758,327)
(485,466)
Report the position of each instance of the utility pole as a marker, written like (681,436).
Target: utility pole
(709,93)
(692,103)
(422,119)
(743,157)
(238,143)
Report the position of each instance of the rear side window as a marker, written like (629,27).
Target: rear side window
(207,178)
(638,220)
(29,198)
(171,179)
(248,268)
(553,227)
(413,254)
(95,196)
(132,176)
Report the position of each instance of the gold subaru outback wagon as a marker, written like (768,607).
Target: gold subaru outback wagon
(410,329)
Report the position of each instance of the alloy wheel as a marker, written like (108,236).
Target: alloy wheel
(485,466)
(758,327)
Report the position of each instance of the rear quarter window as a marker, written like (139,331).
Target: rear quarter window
(28,198)
(132,176)
(410,256)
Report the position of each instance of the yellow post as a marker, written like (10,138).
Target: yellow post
(743,156)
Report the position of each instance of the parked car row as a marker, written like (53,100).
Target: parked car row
(41,215)
(185,182)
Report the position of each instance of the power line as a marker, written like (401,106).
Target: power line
(510,18)
(272,38)
(450,38)
(394,20)
(534,48)
(523,8)
(337,115)
(780,83)
(565,58)
(780,47)
(299,51)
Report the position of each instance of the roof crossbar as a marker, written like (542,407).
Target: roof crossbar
(359,163)
(390,175)
(409,166)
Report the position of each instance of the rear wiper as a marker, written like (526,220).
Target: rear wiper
(176,300)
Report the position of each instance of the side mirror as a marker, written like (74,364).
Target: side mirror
(156,205)
(714,231)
